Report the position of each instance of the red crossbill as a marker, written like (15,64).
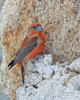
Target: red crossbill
(32,45)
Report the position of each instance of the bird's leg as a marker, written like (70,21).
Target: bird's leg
(23,71)
(27,70)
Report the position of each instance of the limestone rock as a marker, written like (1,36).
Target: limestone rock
(75,65)
(60,84)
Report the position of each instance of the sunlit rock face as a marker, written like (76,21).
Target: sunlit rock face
(61,22)
(50,82)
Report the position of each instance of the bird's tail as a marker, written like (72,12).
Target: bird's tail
(11,64)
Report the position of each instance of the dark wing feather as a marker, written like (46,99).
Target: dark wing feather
(23,52)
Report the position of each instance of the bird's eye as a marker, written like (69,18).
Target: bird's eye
(34,27)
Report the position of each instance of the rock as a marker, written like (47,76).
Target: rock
(1,3)
(40,69)
(75,82)
(43,68)
(4,97)
(75,65)
(60,20)
(60,85)
(0,55)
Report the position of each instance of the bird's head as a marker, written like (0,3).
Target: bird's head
(36,27)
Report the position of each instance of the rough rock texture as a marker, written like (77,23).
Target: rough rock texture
(0,52)
(49,82)
(1,3)
(61,21)
(0,46)
(75,65)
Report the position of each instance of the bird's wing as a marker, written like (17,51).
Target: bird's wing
(23,52)
(27,41)
(33,42)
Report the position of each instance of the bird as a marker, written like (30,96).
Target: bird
(32,45)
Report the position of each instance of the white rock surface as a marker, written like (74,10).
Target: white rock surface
(49,82)
(75,65)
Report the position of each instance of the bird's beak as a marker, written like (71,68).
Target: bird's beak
(39,29)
